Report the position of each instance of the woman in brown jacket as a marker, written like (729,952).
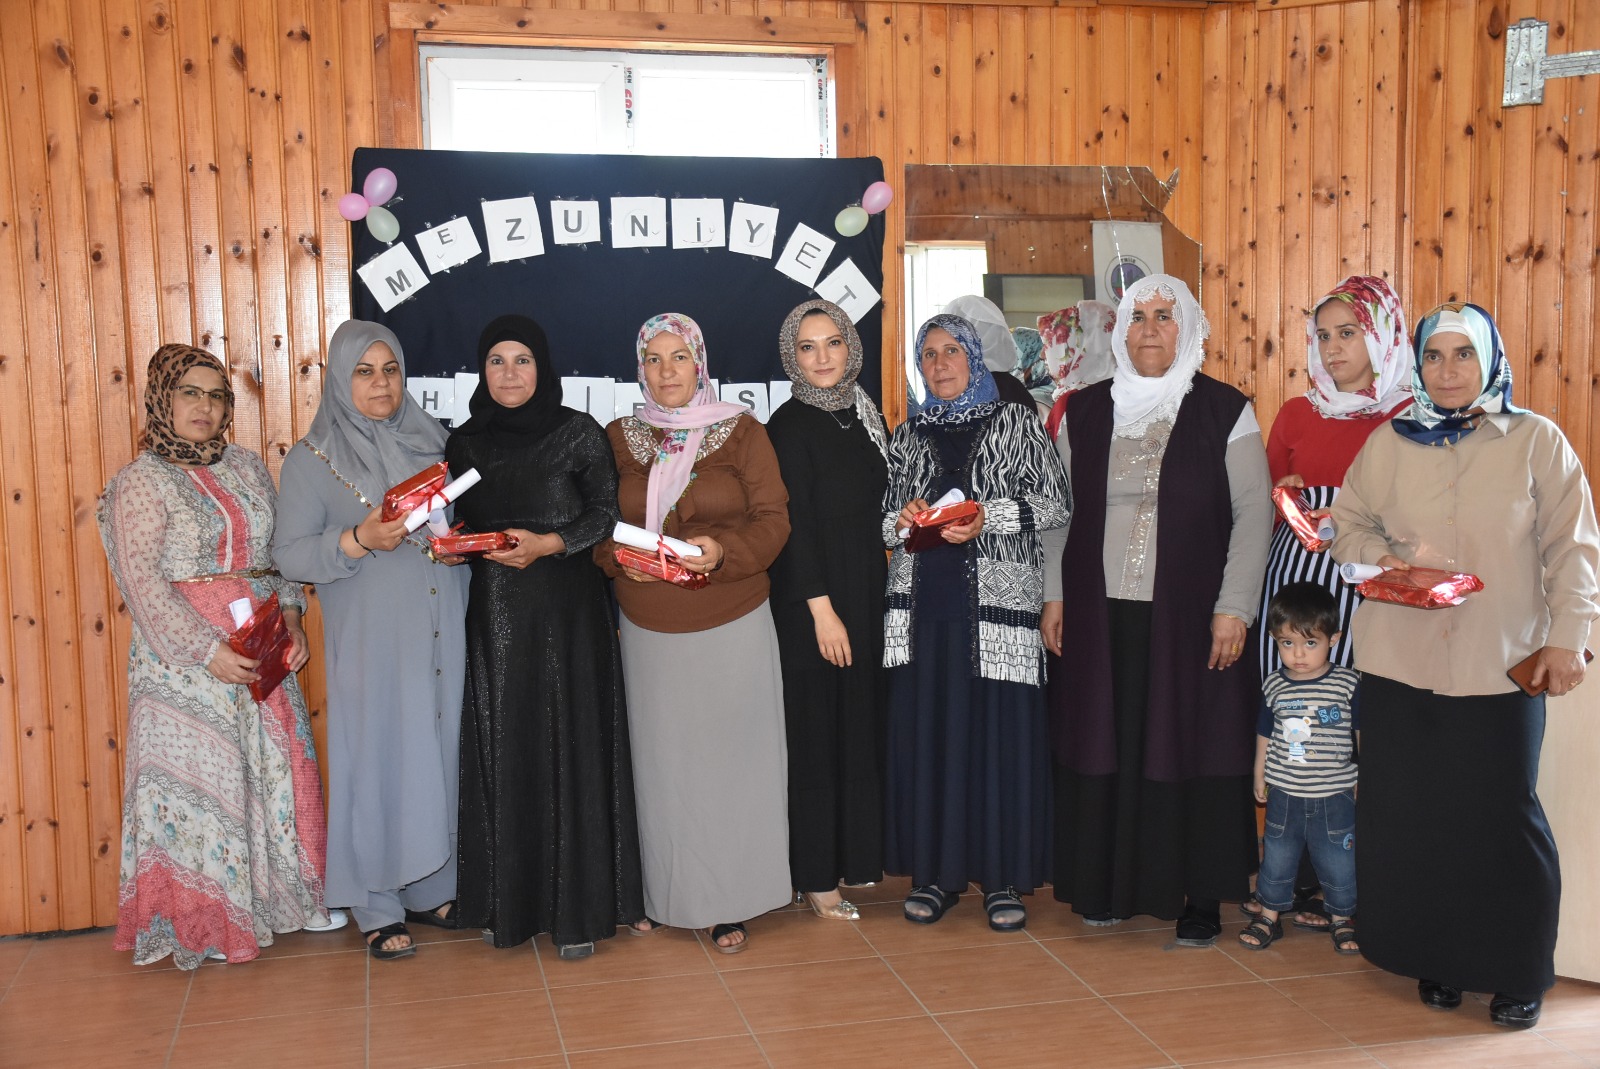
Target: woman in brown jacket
(705,693)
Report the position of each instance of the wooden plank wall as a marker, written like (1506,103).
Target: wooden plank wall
(169,171)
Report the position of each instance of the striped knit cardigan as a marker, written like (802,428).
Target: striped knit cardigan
(1017,475)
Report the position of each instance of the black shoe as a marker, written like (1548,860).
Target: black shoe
(1510,1012)
(1199,926)
(1440,996)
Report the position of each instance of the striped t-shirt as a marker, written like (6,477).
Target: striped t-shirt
(1310,725)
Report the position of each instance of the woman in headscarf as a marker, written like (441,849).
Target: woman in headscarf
(1358,359)
(548,837)
(968,746)
(1449,745)
(222,826)
(827,604)
(394,640)
(1077,350)
(705,696)
(1155,703)
(1000,353)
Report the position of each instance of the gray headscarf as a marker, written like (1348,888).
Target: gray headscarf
(374,454)
(846,393)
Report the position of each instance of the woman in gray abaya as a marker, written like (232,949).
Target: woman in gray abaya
(394,636)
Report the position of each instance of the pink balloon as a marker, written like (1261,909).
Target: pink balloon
(877,197)
(379,186)
(353,206)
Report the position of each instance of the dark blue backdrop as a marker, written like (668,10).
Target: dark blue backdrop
(591,299)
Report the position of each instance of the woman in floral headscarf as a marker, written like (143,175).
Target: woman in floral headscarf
(222,827)
(969,765)
(1449,745)
(705,694)
(827,602)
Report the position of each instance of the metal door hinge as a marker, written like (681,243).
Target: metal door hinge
(1527,66)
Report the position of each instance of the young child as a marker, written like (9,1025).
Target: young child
(1304,753)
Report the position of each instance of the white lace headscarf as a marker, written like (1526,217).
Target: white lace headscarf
(1140,401)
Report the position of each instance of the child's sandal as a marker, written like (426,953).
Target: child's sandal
(1264,931)
(1343,932)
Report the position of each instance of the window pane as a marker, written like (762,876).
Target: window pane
(527,118)
(724,115)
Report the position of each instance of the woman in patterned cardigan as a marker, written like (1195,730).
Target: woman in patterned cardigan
(969,767)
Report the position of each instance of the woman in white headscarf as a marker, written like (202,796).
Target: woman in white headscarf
(1155,703)
(705,692)
(395,639)
(1449,745)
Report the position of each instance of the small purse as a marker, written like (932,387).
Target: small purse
(1521,673)
(663,564)
(926,525)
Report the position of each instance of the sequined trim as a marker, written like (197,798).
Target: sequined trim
(643,440)
(251,573)
(426,550)
(1143,460)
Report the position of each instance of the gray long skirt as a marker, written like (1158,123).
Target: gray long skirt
(705,714)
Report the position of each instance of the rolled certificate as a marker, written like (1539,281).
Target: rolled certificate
(1354,573)
(451,491)
(639,538)
(950,498)
(1326,529)
(241,612)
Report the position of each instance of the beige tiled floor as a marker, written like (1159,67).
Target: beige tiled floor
(881,993)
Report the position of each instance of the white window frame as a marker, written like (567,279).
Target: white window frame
(928,289)
(612,75)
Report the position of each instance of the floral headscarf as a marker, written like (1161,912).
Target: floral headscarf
(167,368)
(1377,310)
(1426,423)
(686,426)
(846,393)
(1139,401)
(981,391)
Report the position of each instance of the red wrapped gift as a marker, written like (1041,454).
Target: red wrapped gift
(461,545)
(1292,507)
(926,525)
(415,492)
(663,565)
(1422,588)
(264,638)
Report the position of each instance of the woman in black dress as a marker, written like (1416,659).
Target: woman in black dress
(548,839)
(827,605)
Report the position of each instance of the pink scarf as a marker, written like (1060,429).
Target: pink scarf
(685,427)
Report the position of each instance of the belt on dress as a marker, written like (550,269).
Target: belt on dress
(249,573)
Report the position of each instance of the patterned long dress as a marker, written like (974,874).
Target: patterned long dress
(223,834)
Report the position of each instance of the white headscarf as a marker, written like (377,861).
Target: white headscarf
(999,348)
(1141,401)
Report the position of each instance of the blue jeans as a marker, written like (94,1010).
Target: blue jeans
(1324,826)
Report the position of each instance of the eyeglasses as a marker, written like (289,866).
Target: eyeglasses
(195,393)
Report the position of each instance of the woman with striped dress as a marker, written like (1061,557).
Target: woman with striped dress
(1359,361)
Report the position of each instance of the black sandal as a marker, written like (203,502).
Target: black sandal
(1265,932)
(1342,932)
(1198,928)
(723,930)
(379,936)
(431,917)
(1310,905)
(1000,902)
(935,898)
